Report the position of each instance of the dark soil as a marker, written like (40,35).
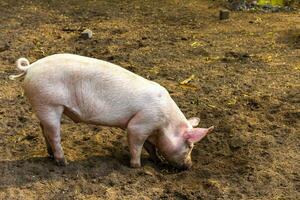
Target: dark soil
(246,83)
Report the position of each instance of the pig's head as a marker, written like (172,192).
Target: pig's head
(177,147)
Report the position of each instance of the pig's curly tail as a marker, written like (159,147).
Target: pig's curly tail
(23,65)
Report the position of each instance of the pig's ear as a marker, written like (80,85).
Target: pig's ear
(194,121)
(196,134)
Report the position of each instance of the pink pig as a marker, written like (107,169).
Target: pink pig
(97,92)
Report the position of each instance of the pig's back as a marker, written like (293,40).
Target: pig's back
(58,65)
(91,88)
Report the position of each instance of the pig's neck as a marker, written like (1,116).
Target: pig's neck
(177,120)
(170,138)
(174,127)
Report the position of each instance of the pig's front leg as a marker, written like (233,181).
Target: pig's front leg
(139,128)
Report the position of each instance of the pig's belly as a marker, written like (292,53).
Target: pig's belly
(98,116)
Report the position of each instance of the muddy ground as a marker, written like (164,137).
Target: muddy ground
(246,83)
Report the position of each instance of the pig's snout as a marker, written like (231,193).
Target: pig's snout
(187,164)
(184,166)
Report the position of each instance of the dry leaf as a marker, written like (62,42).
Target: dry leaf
(258,20)
(186,81)
(197,44)
(231,101)
(297,68)
(212,106)
(189,86)
(155,70)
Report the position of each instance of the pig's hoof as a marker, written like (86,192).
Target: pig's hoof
(51,155)
(61,162)
(135,165)
(50,152)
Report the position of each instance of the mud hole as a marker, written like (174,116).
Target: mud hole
(246,84)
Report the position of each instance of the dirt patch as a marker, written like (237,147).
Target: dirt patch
(246,84)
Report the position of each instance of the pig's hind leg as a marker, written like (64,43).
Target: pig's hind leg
(50,121)
(49,149)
